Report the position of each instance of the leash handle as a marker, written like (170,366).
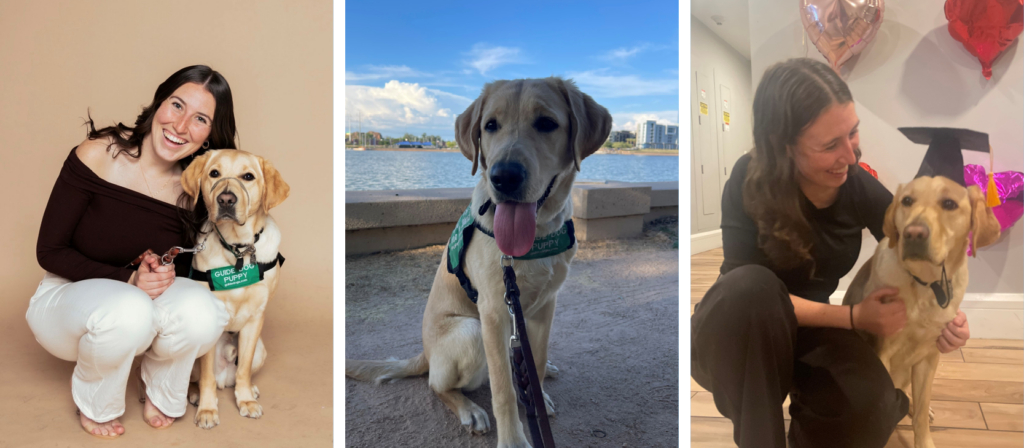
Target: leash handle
(524,371)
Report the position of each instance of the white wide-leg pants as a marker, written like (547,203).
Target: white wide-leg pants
(103,324)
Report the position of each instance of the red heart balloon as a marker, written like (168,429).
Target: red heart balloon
(985,27)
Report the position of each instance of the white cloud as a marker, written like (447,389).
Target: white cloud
(485,58)
(382,72)
(627,121)
(596,83)
(399,107)
(619,54)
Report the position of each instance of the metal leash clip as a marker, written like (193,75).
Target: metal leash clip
(513,341)
(168,258)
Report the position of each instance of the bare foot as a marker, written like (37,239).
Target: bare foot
(154,417)
(109,429)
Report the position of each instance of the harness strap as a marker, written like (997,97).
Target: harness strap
(204,276)
(557,242)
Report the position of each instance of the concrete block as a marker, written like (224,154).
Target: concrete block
(609,228)
(605,201)
(368,241)
(397,208)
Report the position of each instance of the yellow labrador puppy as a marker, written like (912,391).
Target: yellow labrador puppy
(241,265)
(528,137)
(924,254)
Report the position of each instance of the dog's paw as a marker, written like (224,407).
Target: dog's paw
(250,409)
(931,415)
(475,419)
(550,371)
(207,418)
(549,404)
(255,391)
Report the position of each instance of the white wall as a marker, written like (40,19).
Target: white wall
(712,56)
(915,74)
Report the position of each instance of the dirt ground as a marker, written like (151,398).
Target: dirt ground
(614,340)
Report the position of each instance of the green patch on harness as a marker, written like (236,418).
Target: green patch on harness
(227,277)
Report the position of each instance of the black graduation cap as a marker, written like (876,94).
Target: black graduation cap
(944,145)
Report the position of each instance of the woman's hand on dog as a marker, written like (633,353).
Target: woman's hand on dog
(882,312)
(153,277)
(955,335)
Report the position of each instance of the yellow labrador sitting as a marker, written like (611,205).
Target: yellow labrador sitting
(528,136)
(926,228)
(241,265)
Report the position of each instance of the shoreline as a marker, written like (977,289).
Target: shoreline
(664,152)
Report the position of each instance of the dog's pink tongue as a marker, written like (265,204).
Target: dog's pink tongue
(515,225)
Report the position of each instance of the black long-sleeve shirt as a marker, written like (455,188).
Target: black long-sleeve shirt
(92,228)
(861,203)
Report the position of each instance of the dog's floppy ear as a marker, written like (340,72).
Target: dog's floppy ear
(984,225)
(590,122)
(275,189)
(192,177)
(889,225)
(467,129)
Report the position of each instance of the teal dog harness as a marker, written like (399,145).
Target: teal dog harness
(555,243)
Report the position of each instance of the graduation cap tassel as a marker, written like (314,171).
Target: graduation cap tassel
(991,191)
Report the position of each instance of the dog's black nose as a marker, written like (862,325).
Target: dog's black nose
(507,177)
(226,199)
(916,232)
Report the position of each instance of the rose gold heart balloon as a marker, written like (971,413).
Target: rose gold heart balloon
(841,28)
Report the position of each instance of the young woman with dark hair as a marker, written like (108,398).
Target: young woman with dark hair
(93,306)
(793,211)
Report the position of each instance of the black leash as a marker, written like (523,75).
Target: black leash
(524,372)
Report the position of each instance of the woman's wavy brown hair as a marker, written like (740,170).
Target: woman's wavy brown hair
(223,133)
(790,96)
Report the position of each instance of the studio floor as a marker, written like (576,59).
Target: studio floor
(295,386)
(978,393)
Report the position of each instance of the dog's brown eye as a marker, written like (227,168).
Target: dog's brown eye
(949,204)
(545,124)
(907,201)
(214,173)
(248,176)
(491,126)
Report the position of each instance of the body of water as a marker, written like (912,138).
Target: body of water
(406,170)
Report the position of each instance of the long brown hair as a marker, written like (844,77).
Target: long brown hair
(128,139)
(790,96)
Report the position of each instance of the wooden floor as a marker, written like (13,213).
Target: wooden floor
(978,393)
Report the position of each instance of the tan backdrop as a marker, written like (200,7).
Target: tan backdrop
(60,58)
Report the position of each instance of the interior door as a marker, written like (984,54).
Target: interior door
(709,163)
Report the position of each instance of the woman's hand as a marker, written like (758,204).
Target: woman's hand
(153,277)
(955,335)
(881,313)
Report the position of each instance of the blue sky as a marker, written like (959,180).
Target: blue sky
(413,66)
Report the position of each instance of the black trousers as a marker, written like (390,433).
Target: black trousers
(747,350)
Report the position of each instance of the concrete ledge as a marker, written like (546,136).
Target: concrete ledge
(406,219)
(397,208)
(368,241)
